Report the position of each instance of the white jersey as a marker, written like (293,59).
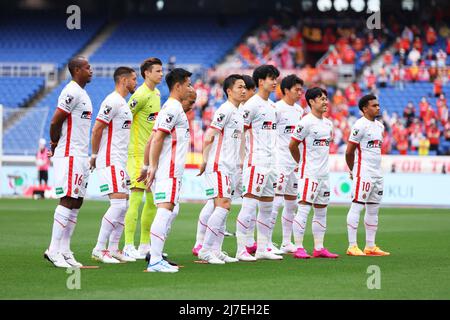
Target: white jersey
(287,118)
(315,137)
(260,120)
(368,135)
(224,153)
(115,112)
(173,120)
(74,140)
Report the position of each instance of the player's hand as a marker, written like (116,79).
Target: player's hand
(143,175)
(350,175)
(51,152)
(150,177)
(202,169)
(92,164)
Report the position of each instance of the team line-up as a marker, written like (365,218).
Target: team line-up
(272,155)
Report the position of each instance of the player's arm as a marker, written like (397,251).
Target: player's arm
(207,144)
(353,142)
(299,136)
(95,140)
(145,167)
(55,128)
(293,148)
(242,151)
(155,151)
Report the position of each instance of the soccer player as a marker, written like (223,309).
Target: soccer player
(289,114)
(236,180)
(314,133)
(221,157)
(110,138)
(69,134)
(259,176)
(145,104)
(365,141)
(168,151)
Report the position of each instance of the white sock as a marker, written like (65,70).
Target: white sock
(299,224)
(157,234)
(277,203)
(172,217)
(215,224)
(206,212)
(60,219)
(112,215)
(217,246)
(263,225)
(64,245)
(319,226)
(116,234)
(250,241)
(247,213)
(371,223)
(287,218)
(352,222)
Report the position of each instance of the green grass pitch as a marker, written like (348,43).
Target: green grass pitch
(418,268)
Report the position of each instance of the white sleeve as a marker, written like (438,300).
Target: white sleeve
(248,113)
(66,101)
(356,133)
(107,112)
(221,116)
(301,131)
(168,118)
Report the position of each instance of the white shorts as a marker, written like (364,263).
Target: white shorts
(259,181)
(72,175)
(287,183)
(314,191)
(236,184)
(218,185)
(166,190)
(113,179)
(367,189)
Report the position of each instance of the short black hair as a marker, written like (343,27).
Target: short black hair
(364,101)
(264,71)
(75,62)
(229,82)
(122,71)
(313,93)
(148,65)
(177,75)
(249,83)
(290,81)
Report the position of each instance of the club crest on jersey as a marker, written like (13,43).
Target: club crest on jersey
(107,110)
(236,134)
(246,113)
(86,115)
(374,144)
(355,132)
(68,99)
(133,103)
(126,124)
(269,125)
(169,118)
(321,142)
(220,117)
(152,116)
(289,129)
(299,129)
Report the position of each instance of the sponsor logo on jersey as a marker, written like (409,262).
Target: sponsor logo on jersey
(126,124)
(246,113)
(295,185)
(169,118)
(374,144)
(68,99)
(107,110)
(220,117)
(133,103)
(326,194)
(152,116)
(209,192)
(59,190)
(269,125)
(86,115)
(236,134)
(289,129)
(321,142)
(104,187)
(380,193)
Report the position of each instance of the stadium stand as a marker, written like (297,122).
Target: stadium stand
(16,91)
